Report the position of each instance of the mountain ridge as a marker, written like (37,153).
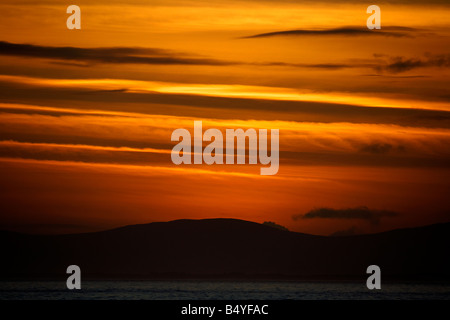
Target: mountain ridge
(220,247)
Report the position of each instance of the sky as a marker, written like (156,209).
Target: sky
(86,116)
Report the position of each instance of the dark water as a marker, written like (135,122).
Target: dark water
(219,290)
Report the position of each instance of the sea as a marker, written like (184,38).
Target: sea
(221,290)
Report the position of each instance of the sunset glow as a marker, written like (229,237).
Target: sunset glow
(86,115)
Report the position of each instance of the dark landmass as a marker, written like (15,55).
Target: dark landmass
(226,249)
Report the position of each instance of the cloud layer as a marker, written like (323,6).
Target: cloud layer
(105,55)
(393,31)
(362,213)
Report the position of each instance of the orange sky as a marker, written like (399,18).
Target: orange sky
(86,115)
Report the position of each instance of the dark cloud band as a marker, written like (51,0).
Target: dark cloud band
(362,213)
(343,31)
(105,55)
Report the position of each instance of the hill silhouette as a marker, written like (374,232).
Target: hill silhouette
(218,248)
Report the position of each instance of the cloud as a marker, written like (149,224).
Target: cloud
(381,148)
(207,106)
(402,64)
(325,66)
(85,57)
(377,148)
(105,55)
(362,213)
(393,31)
(396,77)
(392,65)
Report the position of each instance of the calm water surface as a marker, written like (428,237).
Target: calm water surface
(219,290)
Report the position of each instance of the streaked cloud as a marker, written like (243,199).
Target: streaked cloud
(381,148)
(97,136)
(105,55)
(403,64)
(388,31)
(363,213)
(226,91)
(84,57)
